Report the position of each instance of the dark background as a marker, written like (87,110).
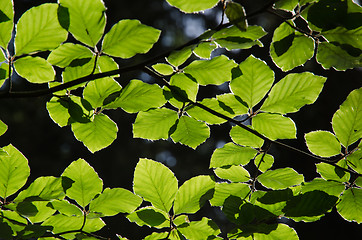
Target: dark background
(51,149)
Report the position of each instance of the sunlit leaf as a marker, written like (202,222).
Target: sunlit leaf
(34,69)
(274,126)
(263,163)
(3,127)
(215,71)
(224,190)
(96,134)
(254,82)
(139,96)
(113,201)
(287,44)
(14,171)
(347,121)
(350,206)
(236,15)
(233,173)
(330,172)
(154,124)
(87,19)
(323,143)
(231,154)
(190,6)
(6,22)
(193,193)
(330,187)
(128,38)
(355,161)
(155,183)
(286,4)
(85,182)
(163,68)
(67,53)
(82,68)
(280,178)
(199,230)
(66,208)
(293,92)
(345,36)
(243,137)
(38,29)
(150,216)
(178,57)
(190,132)
(282,232)
(204,49)
(186,86)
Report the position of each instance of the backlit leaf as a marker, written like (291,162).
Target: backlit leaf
(350,206)
(154,124)
(96,134)
(345,36)
(282,232)
(66,208)
(215,71)
(113,201)
(3,127)
(263,163)
(38,29)
(293,92)
(87,20)
(190,132)
(128,38)
(274,126)
(186,86)
(163,68)
(233,173)
(236,15)
(254,82)
(150,216)
(193,193)
(178,57)
(231,154)
(34,69)
(190,6)
(204,49)
(280,178)
(347,121)
(199,230)
(323,143)
(155,183)
(14,171)
(6,23)
(243,137)
(330,187)
(329,172)
(67,53)
(224,190)
(286,4)
(355,161)
(85,182)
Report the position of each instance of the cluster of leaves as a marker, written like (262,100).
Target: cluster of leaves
(71,206)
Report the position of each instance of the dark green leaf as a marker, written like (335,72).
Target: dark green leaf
(236,15)
(6,22)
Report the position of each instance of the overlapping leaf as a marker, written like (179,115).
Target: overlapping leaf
(199,229)
(350,206)
(68,53)
(6,22)
(231,154)
(150,216)
(280,178)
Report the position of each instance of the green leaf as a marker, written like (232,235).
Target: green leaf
(155,183)
(14,171)
(35,69)
(85,182)
(38,29)
(139,96)
(204,49)
(330,55)
(280,178)
(355,161)
(236,15)
(150,216)
(68,53)
(330,187)
(309,206)
(231,154)
(232,38)
(80,69)
(128,38)
(190,132)
(274,126)
(287,44)
(5,230)
(215,71)
(113,201)
(154,124)
(66,208)
(190,6)
(254,82)
(243,137)
(87,20)
(96,134)
(345,36)
(3,127)
(233,173)
(158,235)
(6,22)
(178,57)
(13,219)
(224,190)
(293,92)
(58,111)
(35,211)
(264,163)
(199,230)
(323,143)
(193,194)
(330,172)
(282,232)
(286,4)
(163,68)
(273,201)
(184,86)
(350,206)
(232,104)
(43,188)
(347,121)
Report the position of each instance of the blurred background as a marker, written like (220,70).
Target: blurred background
(50,149)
